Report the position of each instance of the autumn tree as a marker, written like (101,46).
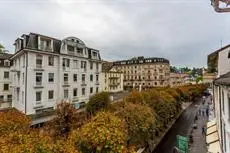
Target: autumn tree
(139,120)
(13,120)
(104,133)
(98,102)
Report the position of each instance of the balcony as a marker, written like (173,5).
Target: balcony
(14,69)
(97,83)
(66,84)
(75,99)
(39,67)
(45,48)
(83,83)
(38,85)
(38,105)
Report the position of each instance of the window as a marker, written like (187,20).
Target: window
(75,64)
(223,101)
(6,87)
(75,92)
(96,77)
(75,77)
(23,78)
(97,66)
(66,92)
(51,61)
(83,91)
(96,89)
(70,48)
(38,78)
(155,83)
(65,62)
(9,97)
(51,94)
(6,75)
(51,77)
(83,64)
(83,78)
(38,61)
(45,44)
(95,54)
(91,77)
(91,65)
(22,97)
(1,98)
(91,89)
(229,54)
(38,96)
(229,106)
(65,77)
(24,60)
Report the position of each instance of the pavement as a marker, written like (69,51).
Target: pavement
(199,139)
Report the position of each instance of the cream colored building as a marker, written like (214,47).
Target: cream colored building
(112,81)
(178,79)
(144,73)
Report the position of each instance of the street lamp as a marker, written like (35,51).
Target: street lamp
(216,5)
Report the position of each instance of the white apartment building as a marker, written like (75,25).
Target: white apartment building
(5,81)
(48,70)
(221,95)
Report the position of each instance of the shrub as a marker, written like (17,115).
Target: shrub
(98,102)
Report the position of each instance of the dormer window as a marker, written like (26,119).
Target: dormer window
(45,44)
(70,48)
(228,54)
(94,54)
(6,63)
(80,50)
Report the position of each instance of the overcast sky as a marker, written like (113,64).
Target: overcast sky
(183,31)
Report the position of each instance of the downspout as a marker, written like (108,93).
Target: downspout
(26,82)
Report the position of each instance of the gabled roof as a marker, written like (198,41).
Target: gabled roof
(219,50)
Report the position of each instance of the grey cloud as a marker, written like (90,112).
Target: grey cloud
(183,31)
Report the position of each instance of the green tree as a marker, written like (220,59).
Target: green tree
(1,48)
(97,102)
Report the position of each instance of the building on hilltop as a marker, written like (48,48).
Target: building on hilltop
(47,70)
(5,81)
(112,79)
(144,73)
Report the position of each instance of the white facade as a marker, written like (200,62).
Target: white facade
(112,81)
(5,83)
(54,71)
(222,114)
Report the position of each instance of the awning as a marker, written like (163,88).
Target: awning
(212,138)
(214,147)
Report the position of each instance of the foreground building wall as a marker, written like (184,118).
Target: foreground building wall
(47,70)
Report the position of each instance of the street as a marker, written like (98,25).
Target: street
(181,127)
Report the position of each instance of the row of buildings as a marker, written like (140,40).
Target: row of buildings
(44,71)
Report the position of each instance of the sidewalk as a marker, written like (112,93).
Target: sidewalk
(199,140)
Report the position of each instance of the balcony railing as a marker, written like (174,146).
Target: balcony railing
(38,66)
(38,83)
(46,48)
